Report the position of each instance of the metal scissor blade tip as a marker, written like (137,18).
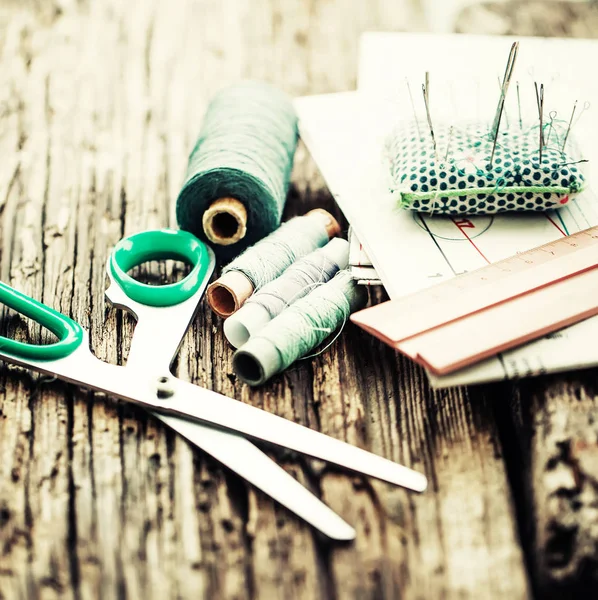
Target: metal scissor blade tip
(407,478)
(248,461)
(190,401)
(340,531)
(420,482)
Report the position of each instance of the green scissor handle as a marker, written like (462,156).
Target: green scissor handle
(128,253)
(69,333)
(160,244)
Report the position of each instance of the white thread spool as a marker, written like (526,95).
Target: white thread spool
(298,280)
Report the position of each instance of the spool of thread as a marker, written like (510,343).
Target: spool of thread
(239,170)
(267,260)
(298,329)
(297,281)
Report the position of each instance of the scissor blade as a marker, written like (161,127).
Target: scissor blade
(248,461)
(233,451)
(190,401)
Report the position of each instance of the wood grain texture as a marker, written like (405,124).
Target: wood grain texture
(553,470)
(99,106)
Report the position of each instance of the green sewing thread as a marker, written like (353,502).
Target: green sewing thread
(245,151)
(299,329)
(408,198)
(267,260)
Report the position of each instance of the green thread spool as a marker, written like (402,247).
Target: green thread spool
(298,329)
(239,171)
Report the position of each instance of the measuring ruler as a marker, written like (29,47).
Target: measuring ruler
(478,314)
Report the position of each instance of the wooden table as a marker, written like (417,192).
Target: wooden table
(100,103)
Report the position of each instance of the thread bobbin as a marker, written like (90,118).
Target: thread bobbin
(229,292)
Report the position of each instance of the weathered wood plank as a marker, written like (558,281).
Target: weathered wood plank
(555,425)
(102,102)
(467,512)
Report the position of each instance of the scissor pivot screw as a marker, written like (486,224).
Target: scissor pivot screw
(164,389)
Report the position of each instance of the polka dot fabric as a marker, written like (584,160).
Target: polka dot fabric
(462,181)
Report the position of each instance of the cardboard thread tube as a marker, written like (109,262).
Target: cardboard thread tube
(227,294)
(225,221)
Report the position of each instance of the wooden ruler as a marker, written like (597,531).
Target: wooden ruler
(478,314)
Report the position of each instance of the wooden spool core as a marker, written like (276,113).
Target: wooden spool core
(225,221)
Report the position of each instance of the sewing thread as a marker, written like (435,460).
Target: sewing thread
(299,329)
(296,281)
(265,261)
(245,151)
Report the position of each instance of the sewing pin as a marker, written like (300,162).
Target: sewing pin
(426,92)
(586,106)
(540,101)
(413,108)
(519,107)
(569,127)
(505,112)
(503,93)
(540,105)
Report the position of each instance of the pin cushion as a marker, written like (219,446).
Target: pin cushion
(461,176)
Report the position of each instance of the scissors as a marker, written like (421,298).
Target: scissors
(211,421)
